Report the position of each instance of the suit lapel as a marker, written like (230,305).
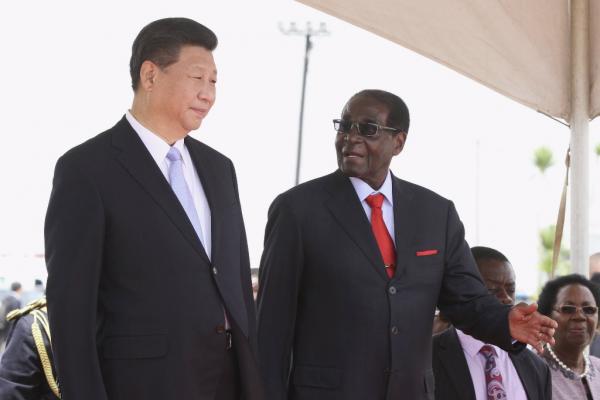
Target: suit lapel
(228,279)
(135,158)
(347,210)
(525,373)
(405,223)
(453,359)
(210,184)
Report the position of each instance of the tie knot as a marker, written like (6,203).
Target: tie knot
(488,351)
(375,200)
(174,154)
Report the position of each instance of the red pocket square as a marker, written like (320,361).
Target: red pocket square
(426,253)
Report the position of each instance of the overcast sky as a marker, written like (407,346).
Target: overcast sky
(65,79)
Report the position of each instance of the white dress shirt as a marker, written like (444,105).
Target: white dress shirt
(476,362)
(363,190)
(158,149)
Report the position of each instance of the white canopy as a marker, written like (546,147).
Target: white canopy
(544,54)
(518,48)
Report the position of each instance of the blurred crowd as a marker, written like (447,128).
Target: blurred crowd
(14,299)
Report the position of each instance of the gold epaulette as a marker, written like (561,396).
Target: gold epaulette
(34,305)
(40,324)
(39,328)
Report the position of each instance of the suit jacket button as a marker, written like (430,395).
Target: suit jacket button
(220,329)
(215,270)
(392,290)
(394,330)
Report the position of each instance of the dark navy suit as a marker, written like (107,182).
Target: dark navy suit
(332,325)
(117,238)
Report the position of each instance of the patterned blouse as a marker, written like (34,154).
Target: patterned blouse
(567,386)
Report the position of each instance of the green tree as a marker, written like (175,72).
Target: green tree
(543,159)
(598,150)
(563,266)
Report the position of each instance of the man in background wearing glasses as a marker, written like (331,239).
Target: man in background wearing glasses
(354,266)
(462,365)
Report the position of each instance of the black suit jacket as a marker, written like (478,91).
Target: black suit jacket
(453,379)
(332,325)
(117,239)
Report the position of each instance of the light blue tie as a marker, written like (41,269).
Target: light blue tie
(182,191)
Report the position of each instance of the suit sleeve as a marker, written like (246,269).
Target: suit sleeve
(279,282)
(245,272)
(74,233)
(464,299)
(251,379)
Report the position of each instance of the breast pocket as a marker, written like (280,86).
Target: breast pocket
(427,254)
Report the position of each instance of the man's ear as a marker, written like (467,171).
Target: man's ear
(148,74)
(399,140)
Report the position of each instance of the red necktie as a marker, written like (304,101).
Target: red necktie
(493,377)
(384,240)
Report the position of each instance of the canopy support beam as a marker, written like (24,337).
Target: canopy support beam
(579,182)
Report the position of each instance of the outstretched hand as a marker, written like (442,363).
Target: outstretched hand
(529,326)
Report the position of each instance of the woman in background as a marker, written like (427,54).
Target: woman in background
(572,301)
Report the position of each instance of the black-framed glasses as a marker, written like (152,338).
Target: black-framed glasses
(569,309)
(365,129)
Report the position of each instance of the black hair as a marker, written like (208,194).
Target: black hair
(482,252)
(398,115)
(547,299)
(15,286)
(161,41)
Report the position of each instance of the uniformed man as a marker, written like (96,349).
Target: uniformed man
(26,369)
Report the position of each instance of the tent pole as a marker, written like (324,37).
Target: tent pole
(580,91)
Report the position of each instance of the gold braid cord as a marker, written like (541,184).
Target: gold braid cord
(34,305)
(39,318)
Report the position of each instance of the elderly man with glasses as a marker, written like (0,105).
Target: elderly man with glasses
(354,266)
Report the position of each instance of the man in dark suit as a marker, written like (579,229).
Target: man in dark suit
(141,208)
(353,267)
(11,302)
(459,364)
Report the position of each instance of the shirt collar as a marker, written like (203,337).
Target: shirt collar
(157,147)
(470,345)
(363,190)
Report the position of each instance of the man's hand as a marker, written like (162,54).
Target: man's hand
(529,326)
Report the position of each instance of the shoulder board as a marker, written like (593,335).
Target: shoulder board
(38,304)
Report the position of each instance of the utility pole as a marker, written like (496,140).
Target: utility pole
(308,32)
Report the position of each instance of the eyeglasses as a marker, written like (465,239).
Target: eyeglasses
(568,309)
(364,129)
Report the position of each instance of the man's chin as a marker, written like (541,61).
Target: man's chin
(350,171)
(192,126)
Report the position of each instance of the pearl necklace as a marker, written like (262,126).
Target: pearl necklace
(586,361)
